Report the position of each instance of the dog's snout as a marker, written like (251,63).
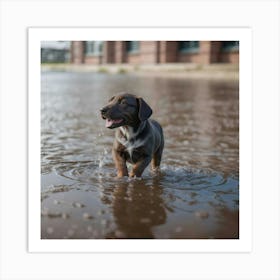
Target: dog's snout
(103,110)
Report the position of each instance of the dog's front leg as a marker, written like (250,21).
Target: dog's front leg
(120,164)
(139,167)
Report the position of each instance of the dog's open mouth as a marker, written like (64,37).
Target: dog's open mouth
(113,123)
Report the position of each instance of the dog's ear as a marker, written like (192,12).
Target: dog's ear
(145,110)
(111,98)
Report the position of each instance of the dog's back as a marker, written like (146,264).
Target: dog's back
(158,144)
(158,135)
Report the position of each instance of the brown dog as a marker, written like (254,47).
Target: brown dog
(138,139)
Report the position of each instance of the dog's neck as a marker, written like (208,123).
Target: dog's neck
(130,133)
(129,136)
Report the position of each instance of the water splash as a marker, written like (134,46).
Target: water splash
(103,158)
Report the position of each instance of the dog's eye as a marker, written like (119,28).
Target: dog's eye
(123,102)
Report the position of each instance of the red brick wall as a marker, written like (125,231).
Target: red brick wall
(151,52)
(133,58)
(168,51)
(202,56)
(229,57)
(109,52)
(148,50)
(120,52)
(209,52)
(189,58)
(77,52)
(92,59)
(215,51)
(147,53)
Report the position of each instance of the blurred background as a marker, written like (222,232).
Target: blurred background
(193,89)
(140,52)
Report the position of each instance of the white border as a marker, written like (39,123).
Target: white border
(244,243)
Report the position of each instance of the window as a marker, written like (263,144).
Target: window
(93,47)
(230,46)
(188,46)
(132,46)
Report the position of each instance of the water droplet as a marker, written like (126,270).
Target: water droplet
(64,216)
(87,216)
(202,214)
(50,230)
(178,229)
(70,232)
(192,202)
(78,205)
(119,234)
(100,212)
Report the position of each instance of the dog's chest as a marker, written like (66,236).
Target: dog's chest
(132,150)
(133,155)
(132,144)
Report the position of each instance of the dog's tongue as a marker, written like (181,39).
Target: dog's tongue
(110,122)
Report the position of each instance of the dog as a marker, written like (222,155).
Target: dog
(138,139)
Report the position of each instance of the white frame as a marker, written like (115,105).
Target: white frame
(244,35)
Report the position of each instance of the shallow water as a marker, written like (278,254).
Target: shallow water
(196,194)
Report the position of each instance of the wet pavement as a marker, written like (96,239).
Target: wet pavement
(196,194)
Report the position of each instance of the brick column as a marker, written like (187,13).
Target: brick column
(209,51)
(77,52)
(120,52)
(109,52)
(168,51)
(204,52)
(215,51)
(149,52)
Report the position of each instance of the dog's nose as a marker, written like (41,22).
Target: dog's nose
(103,110)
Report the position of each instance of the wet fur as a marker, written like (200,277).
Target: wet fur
(139,140)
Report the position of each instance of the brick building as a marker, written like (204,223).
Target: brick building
(154,52)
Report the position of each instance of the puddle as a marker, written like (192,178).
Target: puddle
(196,193)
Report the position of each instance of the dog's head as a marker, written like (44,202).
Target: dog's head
(125,109)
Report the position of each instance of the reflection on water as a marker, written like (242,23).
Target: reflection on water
(196,194)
